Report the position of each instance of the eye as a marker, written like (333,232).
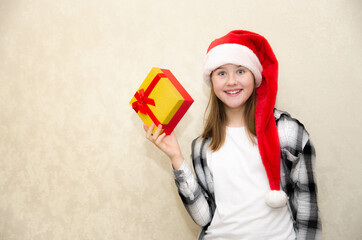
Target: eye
(240,71)
(221,73)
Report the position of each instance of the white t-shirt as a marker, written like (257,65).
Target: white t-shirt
(240,185)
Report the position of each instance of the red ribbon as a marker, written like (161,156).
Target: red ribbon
(142,101)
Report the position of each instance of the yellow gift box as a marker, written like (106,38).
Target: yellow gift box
(161,99)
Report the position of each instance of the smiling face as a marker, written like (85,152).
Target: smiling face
(233,85)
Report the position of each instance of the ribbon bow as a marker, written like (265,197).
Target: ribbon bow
(142,101)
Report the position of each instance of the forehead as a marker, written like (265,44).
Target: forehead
(230,66)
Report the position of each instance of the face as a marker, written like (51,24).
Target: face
(233,85)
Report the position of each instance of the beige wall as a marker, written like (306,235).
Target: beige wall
(74,163)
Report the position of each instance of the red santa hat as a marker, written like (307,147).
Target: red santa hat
(253,51)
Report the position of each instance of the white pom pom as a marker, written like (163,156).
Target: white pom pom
(276,199)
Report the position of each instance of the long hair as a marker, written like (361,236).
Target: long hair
(215,126)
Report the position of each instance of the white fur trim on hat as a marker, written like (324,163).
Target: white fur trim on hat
(276,199)
(234,54)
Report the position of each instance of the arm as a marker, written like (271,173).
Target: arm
(301,153)
(307,218)
(192,195)
(190,192)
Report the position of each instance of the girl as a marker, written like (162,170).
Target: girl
(253,163)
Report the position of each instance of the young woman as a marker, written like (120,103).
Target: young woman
(254,164)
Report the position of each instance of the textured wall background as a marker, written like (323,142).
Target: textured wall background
(74,162)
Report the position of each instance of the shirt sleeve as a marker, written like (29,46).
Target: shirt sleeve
(308,224)
(191,195)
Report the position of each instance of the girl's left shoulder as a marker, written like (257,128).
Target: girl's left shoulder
(291,131)
(284,117)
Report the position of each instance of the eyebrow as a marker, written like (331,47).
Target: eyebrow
(237,66)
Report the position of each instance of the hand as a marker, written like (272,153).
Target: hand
(166,143)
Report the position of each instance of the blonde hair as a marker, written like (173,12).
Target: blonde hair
(215,126)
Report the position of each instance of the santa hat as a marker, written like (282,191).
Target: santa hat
(253,51)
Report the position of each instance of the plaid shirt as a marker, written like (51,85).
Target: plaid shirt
(297,180)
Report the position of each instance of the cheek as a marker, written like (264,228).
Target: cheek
(248,82)
(213,81)
(217,87)
(250,85)
(214,88)
(215,84)
(217,91)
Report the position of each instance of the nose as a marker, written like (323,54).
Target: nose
(231,79)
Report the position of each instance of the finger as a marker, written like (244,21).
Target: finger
(145,127)
(160,138)
(149,131)
(157,132)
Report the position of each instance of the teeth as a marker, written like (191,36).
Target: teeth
(233,92)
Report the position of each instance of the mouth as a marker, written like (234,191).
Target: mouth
(233,92)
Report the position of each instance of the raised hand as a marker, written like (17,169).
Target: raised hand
(166,143)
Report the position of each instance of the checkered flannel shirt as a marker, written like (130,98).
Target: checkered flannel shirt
(297,180)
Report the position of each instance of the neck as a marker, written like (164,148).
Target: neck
(235,117)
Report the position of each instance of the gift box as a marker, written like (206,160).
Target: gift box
(161,99)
